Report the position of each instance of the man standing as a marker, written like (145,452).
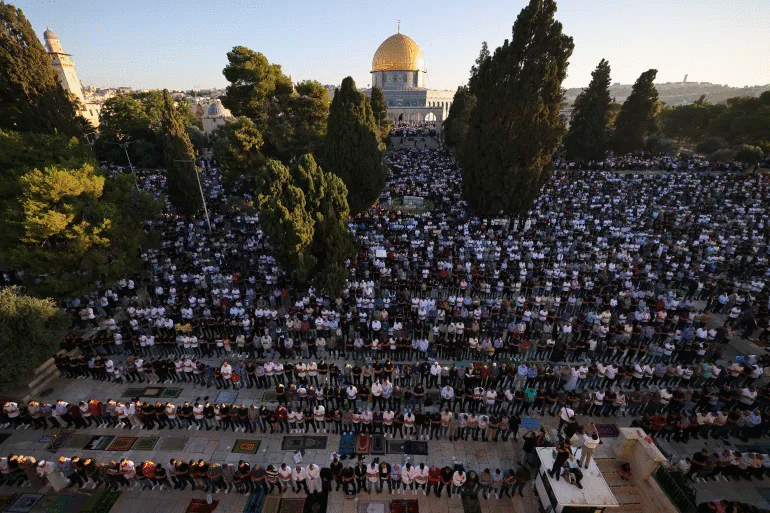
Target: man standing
(563,453)
(589,445)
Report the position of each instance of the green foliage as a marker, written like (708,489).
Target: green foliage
(290,123)
(456,124)
(748,154)
(588,136)
(745,121)
(659,144)
(30,332)
(724,155)
(238,149)
(304,211)
(711,145)
(379,105)
(515,127)
(689,122)
(138,117)
(181,171)
(638,117)
(31,99)
(352,148)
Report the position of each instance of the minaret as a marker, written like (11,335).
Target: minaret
(64,66)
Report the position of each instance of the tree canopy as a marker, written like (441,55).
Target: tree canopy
(291,121)
(181,170)
(62,222)
(352,149)
(456,124)
(304,211)
(515,127)
(588,136)
(138,118)
(30,332)
(31,98)
(638,117)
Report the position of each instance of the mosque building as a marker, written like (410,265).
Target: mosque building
(398,67)
(68,79)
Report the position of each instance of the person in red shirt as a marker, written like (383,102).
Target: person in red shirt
(434,478)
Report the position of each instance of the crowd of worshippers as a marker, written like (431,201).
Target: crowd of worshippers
(246,478)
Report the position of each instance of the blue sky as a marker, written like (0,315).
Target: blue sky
(183,44)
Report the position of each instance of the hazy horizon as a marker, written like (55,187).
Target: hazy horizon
(183,45)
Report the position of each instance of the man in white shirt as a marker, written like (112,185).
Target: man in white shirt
(299,479)
(313,472)
(589,445)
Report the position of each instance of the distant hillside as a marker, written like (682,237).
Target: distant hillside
(681,93)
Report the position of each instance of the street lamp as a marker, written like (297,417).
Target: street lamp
(200,188)
(124,145)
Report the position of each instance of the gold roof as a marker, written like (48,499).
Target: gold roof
(398,52)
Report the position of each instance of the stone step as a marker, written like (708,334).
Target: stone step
(34,392)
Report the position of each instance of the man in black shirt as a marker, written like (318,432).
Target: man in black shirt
(446,481)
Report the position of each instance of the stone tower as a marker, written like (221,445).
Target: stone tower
(64,66)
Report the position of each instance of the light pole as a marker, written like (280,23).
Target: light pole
(124,145)
(200,188)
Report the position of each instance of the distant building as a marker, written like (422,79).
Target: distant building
(68,78)
(398,68)
(212,114)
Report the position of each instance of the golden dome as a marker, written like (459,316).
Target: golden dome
(398,52)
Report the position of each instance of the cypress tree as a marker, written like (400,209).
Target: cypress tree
(456,124)
(352,149)
(181,171)
(515,128)
(31,98)
(379,106)
(638,117)
(588,136)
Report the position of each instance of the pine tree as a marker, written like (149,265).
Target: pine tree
(181,170)
(515,128)
(352,150)
(638,117)
(588,136)
(31,98)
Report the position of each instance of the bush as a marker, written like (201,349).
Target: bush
(748,154)
(724,155)
(659,144)
(711,145)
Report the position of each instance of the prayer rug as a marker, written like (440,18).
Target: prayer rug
(347,445)
(24,503)
(764,492)
(171,393)
(316,503)
(405,506)
(530,423)
(471,504)
(122,444)
(378,445)
(395,446)
(45,439)
(255,503)
(59,437)
(227,397)
(373,507)
(173,443)
(291,506)
(271,505)
(146,443)
(292,443)
(60,504)
(98,443)
(4,437)
(201,506)
(152,392)
(76,442)
(132,392)
(246,446)
(103,502)
(269,397)
(79,503)
(314,442)
(416,448)
(363,444)
(608,430)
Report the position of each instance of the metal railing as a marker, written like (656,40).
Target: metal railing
(681,499)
